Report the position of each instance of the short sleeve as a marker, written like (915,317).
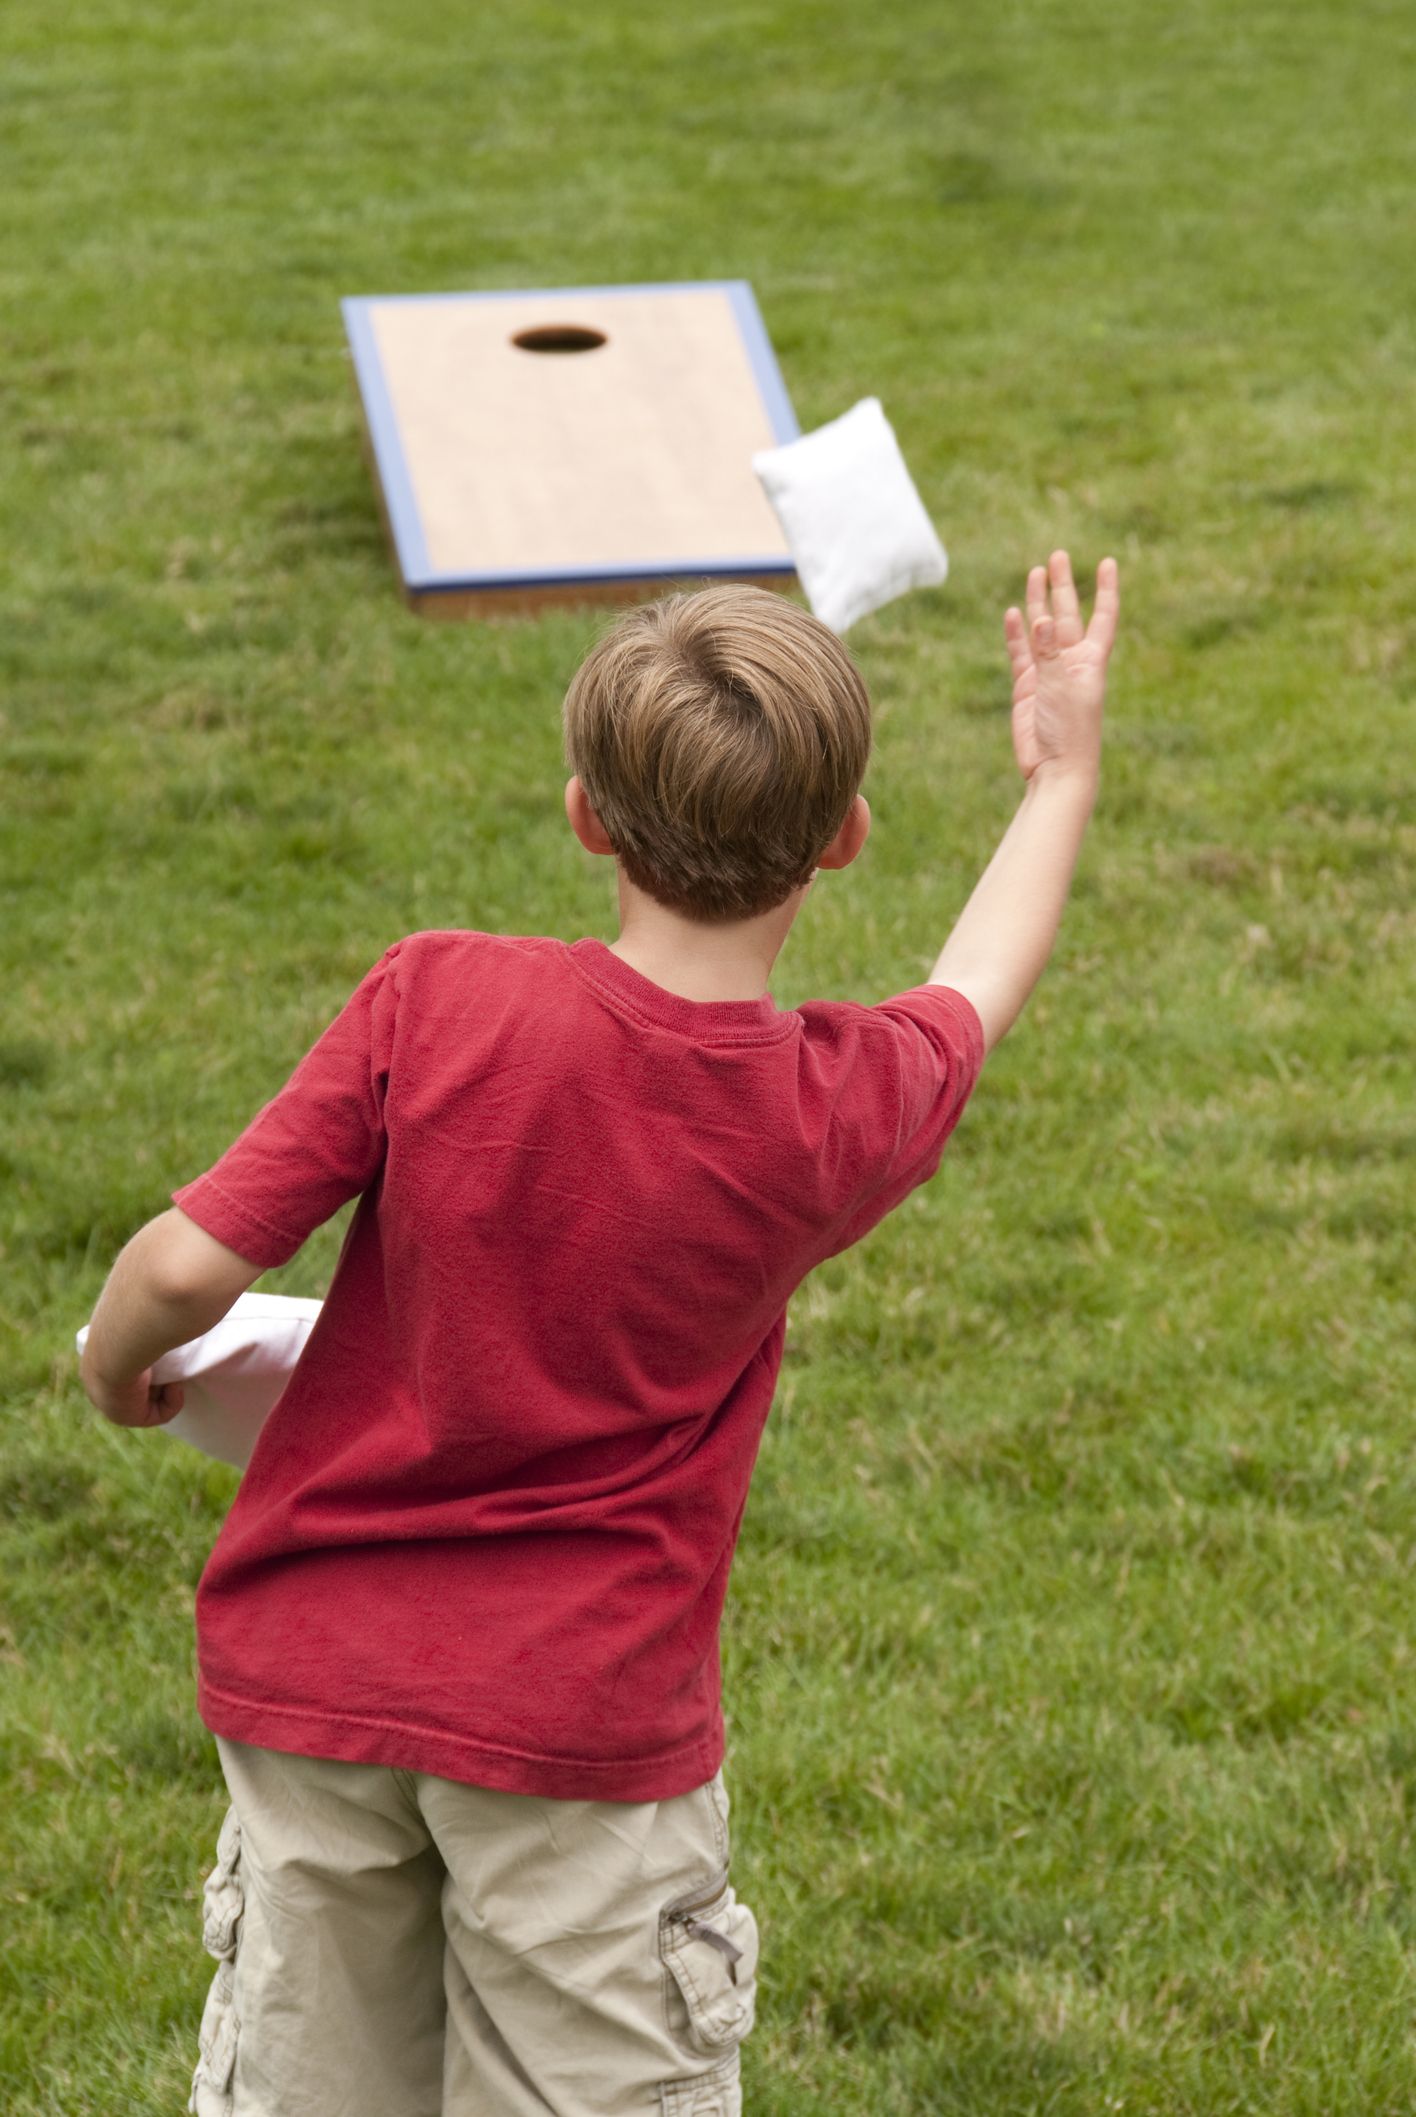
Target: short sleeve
(938,1051)
(317,1144)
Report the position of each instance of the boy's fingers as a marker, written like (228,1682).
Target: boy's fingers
(1065,607)
(1015,633)
(1036,595)
(1102,629)
(1044,639)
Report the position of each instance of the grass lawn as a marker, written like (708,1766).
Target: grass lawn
(1070,1655)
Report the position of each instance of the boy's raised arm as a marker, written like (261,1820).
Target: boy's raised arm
(997,951)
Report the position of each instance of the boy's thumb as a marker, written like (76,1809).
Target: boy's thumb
(1044,639)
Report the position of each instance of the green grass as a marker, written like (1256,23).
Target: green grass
(1070,1650)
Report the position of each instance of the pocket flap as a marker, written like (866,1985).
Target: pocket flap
(223,1896)
(709,1943)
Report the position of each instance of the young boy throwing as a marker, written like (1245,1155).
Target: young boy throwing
(458,1638)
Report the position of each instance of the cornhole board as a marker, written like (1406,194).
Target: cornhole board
(572,444)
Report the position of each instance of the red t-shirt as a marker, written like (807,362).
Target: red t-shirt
(486,1531)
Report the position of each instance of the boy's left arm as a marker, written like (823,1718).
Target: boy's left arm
(170,1283)
(317,1144)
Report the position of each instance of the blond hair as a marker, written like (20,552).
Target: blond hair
(721,738)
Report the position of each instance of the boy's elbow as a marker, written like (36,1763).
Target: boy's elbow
(183,1267)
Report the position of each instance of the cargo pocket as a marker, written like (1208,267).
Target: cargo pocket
(708,1942)
(223,1902)
(715,2094)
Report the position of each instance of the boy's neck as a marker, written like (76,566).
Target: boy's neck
(697,961)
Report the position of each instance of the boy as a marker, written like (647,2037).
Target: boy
(458,1636)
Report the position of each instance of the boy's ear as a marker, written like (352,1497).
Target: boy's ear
(850,837)
(583,820)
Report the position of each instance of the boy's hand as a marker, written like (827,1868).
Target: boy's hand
(996,952)
(141,1402)
(171,1282)
(1059,670)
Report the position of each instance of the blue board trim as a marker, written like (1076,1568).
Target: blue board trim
(405,521)
(650,570)
(762,358)
(404,518)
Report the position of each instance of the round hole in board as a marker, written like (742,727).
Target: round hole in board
(558,338)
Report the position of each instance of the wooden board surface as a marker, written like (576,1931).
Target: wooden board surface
(505,468)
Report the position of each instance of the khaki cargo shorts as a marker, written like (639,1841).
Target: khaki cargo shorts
(390,1944)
